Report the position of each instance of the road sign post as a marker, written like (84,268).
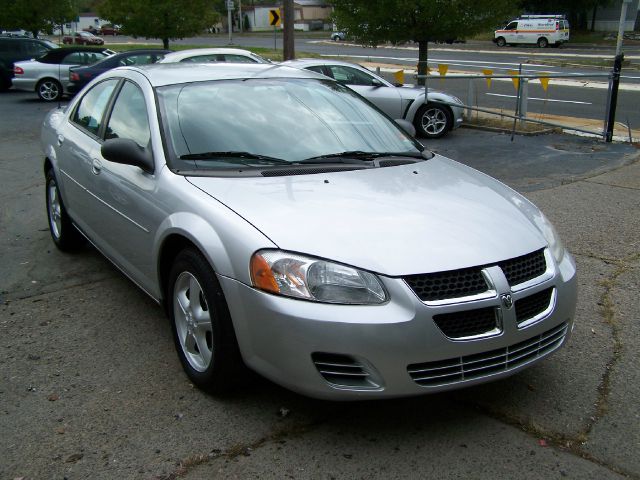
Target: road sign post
(274,20)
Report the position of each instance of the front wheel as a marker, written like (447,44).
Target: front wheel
(433,120)
(49,90)
(501,42)
(63,233)
(202,329)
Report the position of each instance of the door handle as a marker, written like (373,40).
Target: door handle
(60,140)
(96,166)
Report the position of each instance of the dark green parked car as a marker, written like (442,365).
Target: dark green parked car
(14,49)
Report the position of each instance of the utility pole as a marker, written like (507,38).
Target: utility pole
(229,20)
(614,83)
(288,50)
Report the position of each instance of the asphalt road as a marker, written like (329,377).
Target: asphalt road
(90,385)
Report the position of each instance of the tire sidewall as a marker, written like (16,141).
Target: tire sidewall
(418,120)
(54,82)
(219,375)
(69,238)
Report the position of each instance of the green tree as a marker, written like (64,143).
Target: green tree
(580,13)
(421,21)
(36,15)
(163,19)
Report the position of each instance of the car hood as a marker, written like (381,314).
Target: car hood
(430,216)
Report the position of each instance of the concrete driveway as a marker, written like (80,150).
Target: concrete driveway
(90,385)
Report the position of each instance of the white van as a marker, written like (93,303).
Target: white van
(541,30)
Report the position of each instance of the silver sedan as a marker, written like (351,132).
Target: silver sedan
(433,118)
(289,227)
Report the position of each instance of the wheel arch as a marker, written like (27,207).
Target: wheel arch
(419,102)
(187,230)
(44,79)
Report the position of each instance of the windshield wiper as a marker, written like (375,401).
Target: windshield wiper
(357,156)
(224,156)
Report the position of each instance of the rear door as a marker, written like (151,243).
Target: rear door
(78,144)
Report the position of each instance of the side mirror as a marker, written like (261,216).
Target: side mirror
(127,152)
(406,126)
(376,83)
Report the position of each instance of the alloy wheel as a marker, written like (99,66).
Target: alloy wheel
(55,216)
(434,121)
(193,321)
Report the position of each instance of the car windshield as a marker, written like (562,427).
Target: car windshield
(284,120)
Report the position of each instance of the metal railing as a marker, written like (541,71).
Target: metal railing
(522,97)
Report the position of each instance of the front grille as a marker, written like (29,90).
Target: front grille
(450,284)
(520,269)
(467,323)
(529,307)
(343,371)
(480,365)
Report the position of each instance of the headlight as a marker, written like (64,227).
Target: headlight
(313,279)
(551,236)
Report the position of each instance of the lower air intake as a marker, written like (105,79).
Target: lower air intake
(344,371)
(485,364)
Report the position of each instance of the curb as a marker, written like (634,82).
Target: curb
(487,128)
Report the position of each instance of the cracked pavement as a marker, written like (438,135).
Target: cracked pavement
(90,385)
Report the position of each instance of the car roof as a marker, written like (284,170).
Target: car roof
(162,74)
(58,54)
(307,62)
(193,52)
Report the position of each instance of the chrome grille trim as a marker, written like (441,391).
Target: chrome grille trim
(480,365)
(543,311)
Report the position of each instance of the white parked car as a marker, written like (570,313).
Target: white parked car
(206,55)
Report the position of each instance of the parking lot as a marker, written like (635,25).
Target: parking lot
(91,387)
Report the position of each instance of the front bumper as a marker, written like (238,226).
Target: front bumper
(391,346)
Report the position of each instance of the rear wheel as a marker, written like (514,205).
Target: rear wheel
(433,120)
(543,42)
(63,233)
(202,329)
(501,42)
(49,90)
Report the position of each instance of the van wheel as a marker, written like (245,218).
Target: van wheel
(501,42)
(543,42)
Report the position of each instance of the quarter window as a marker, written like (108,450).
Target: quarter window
(90,110)
(350,76)
(129,117)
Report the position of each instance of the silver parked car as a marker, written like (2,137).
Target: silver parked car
(289,226)
(206,55)
(48,75)
(432,119)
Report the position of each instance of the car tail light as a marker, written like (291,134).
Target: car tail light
(18,70)
(74,77)
(557,25)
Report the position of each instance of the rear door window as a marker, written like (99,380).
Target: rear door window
(90,111)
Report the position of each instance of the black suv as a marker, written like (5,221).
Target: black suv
(14,49)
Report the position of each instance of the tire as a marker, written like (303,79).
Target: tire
(202,329)
(49,90)
(5,82)
(433,120)
(66,237)
(543,42)
(501,42)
